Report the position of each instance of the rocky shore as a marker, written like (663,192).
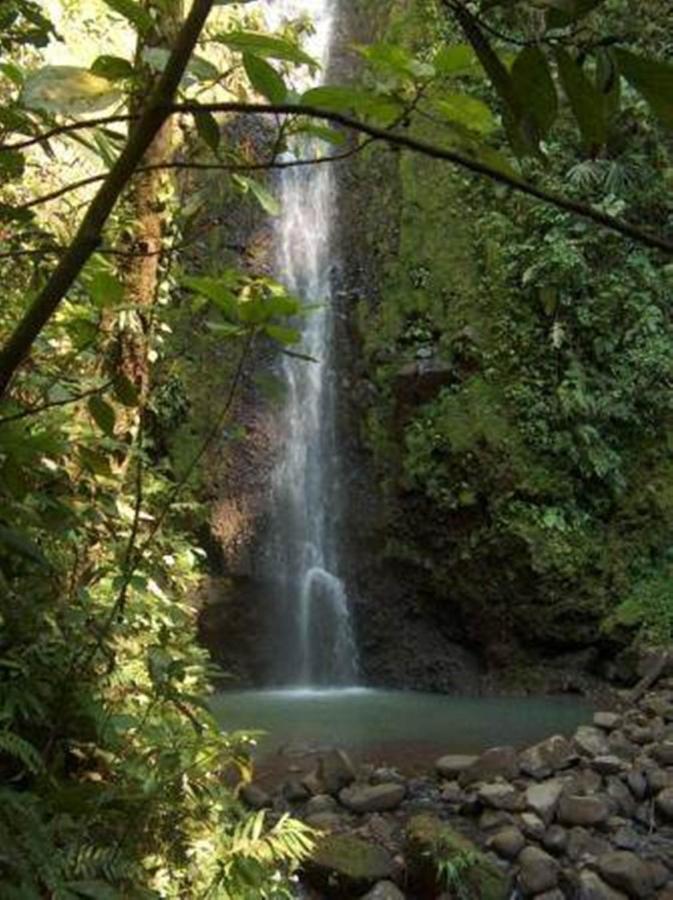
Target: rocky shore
(588,816)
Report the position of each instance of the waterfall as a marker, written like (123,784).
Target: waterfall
(315,641)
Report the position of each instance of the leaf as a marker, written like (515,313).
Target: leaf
(67,89)
(322,132)
(12,164)
(126,392)
(94,890)
(285,336)
(198,69)
(346,99)
(95,462)
(105,290)
(652,79)
(467,111)
(17,542)
(265,45)
(133,12)
(114,68)
(535,89)
(102,414)
(217,290)
(585,100)
(566,12)
(208,129)
(264,78)
(266,200)
(13,72)
(459,59)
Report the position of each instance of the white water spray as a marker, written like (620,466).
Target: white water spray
(317,641)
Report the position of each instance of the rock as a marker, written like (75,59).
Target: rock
(576,810)
(372,798)
(501,795)
(621,746)
(592,887)
(321,803)
(348,864)
(556,894)
(494,818)
(608,765)
(555,840)
(384,890)
(428,841)
(584,845)
(532,825)
(324,821)
(538,871)
(591,741)
(621,797)
(663,753)
(584,782)
(386,776)
(256,797)
(543,798)
(640,735)
(625,872)
(313,783)
(548,757)
(335,771)
(294,791)
(658,780)
(451,766)
(507,843)
(608,721)
(664,804)
(452,792)
(626,839)
(637,784)
(666,893)
(498,762)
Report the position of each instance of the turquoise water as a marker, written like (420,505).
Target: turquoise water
(359,718)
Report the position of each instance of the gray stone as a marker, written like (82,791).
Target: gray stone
(555,840)
(452,792)
(538,871)
(621,746)
(532,825)
(664,804)
(256,797)
(625,872)
(372,798)
(499,762)
(387,776)
(324,821)
(576,810)
(591,741)
(621,797)
(626,839)
(494,818)
(592,887)
(295,791)
(585,845)
(501,795)
(452,765)
(347,864)
(384,890)
(666,893)
(608,721)
(543,798)
(321,803)
(556,894)
(608,765)
(658,780)
(336,771)
(507,843)
(637,784)
(663,753)
(547,757)
(312,783)
(584,782)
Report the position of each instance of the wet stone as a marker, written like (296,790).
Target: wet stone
(507,843)
(539,872)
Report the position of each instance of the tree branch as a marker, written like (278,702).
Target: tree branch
(88,234)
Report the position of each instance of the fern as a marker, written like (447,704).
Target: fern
(18,748)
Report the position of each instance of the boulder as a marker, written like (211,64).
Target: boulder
(430,841)
(663,753)
(658,779)
(294,791)
(335,771)
(321,803)
(637,784)
(608,764)
(384,890)
(344,865)
(501,795)
(256,797)
(325,821)
(608,721)
(532,825)
(664,804)
(498,762)
(584,811)
(592,887)
(538,872)
(621,797)
(367,798)
(626,872)
(555,839)
(548,757)
(507,843)
(591,741)
(585,845)
(451,766)
(543,798)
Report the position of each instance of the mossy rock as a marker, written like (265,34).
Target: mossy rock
(344,866)
(431,844)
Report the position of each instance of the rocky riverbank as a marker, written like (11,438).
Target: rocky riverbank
(588,816)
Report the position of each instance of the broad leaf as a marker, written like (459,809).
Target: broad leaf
(105,290)
(67,89)
(651,78)
(467,111)
(264,78)
(217,290)
(535,89)
(566,12)
(266,200)
(102,414)
(459,59)
(346,99)
(283,335)
(114,68)
(208,129)
(133,12)
(265,45)
(585,100)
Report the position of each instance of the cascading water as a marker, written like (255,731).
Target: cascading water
(315,641)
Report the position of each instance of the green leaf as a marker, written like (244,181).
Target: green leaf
(265,199)
(114,68)
(346,99)
(265,45)
(102,414)
(12,164)
(467,111)
(264,78)
(585,100)
(566,12)
(13,72)
(535,89)
(652,79)
(217,290)
(126,392)
(285,336)
(20,545)
(322,132)
(208,129)
(133,12)
(459,59)
(94,890)
(95,462)
(67,89)
(105,290)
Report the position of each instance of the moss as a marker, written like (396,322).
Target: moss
(441,858)
(343,865)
